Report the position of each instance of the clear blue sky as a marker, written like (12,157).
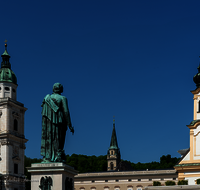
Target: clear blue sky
(132,59)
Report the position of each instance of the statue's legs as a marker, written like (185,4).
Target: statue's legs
(47,149)
(61,137)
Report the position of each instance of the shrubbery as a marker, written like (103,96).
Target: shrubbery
(156,183)
(169,183)
(183,182)
(198,181)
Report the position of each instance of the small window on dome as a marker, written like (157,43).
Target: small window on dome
(13,90)
(7,88)
(7,73)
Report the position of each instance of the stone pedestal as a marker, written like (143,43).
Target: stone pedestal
(52,176)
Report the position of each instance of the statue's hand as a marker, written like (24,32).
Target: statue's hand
(72,130)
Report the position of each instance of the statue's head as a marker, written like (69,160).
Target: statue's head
(58,88)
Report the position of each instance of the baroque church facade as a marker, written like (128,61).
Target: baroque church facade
(189,166)
(12,139)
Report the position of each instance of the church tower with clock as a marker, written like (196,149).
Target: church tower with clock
(113,154)
(12,139)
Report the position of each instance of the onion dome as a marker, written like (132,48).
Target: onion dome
(6,74)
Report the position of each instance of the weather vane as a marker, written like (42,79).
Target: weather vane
(5,43)
(113,118)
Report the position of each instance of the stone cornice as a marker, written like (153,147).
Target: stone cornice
(8,139)
(10,133)
(53,167)
(126,173)
(196,91)
(10,101)
(194,124)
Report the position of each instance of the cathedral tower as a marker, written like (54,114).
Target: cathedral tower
(12,140)
(113,155)
(189,166)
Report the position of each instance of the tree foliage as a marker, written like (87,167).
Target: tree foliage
(84,163)
(198,181)
(169,183)
(183,182)
(156,183)
(165,163)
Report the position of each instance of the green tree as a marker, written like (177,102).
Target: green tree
(182,182)
(198,181)
(169,183)
(156,183)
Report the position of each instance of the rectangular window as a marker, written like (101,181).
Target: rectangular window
(15,168)
(106,180)
(139,179)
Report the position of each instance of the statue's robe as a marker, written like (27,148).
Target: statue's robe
(55,119)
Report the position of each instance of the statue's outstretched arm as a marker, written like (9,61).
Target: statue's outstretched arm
(67,114)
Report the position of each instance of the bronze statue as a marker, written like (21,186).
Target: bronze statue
(55,119)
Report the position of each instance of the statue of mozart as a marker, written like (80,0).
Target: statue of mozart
(55,119)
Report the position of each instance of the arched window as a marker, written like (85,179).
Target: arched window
(15,125)
(111,166)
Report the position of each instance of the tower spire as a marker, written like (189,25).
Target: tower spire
(6,74)
(5,58)
(113,142)
(113,155)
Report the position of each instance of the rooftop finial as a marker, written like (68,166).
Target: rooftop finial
(113,119)
(199,65)
(6,44)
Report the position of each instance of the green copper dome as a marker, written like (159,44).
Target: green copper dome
(6,74)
